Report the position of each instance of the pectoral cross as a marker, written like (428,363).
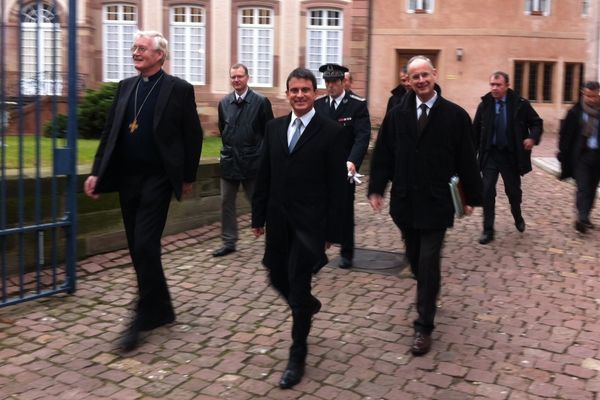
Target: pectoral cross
(133,126)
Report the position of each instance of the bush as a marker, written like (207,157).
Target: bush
(57,127)
(93,110)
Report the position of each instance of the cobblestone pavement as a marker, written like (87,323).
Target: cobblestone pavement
(519,320)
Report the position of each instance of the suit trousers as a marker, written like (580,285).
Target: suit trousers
(145,203)
(347,245)
(293,282)
(229,190)
(424,251)
(587,177)
(500,162)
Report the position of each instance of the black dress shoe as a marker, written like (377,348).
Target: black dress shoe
(345,263)
(316,306)
(421,344)
(291,376)
(486,237)
(131,339)
(153,323)
(223,251)
(580,227)
(520,225)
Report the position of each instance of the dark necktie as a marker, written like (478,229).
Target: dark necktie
(500,126)
(239,101)
(422,121)
(332,107)
(296,135)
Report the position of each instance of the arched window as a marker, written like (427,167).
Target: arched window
(188,43)
(255,43)
(119,24)
(40,50)
(324,40)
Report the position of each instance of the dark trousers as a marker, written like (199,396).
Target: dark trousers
(424,251)
(587,177)
(293,282)
(229,191)
(347,245)
(500,163)
(144,205)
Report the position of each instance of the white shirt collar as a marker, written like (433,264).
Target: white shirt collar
(242,96)
(338,100)
(306,118)
(429,102)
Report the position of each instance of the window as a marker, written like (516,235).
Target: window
(585,8)
(572,82)
(534,80)
(324,40)
(255,44)
(537,7)
(41,50)
(119,26)
(188,43)
(420,6)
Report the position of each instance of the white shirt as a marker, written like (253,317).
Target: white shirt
(306,118)
(242,96)
(338,100)
(429,103)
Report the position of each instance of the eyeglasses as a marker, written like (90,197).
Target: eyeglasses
(139,49)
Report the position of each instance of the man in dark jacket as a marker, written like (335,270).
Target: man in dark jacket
(506,128)
(243,115)
(149,150)
(579,152)
(420,147)
(399,91)
(350,111)
(299,189)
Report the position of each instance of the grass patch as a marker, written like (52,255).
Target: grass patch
(86,150)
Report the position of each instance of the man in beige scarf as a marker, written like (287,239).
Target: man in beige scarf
(579,152)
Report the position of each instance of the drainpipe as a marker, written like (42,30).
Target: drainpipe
(369,40)
(597,28)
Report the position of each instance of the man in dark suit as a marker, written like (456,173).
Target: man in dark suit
(420,146)
(299,187)
(149,149)
(579,152)
(350,111)
(506,128)
(243,115)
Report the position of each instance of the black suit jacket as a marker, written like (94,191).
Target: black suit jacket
(177,133)
(571,143)
(353,114)
(420,165)
(300,192)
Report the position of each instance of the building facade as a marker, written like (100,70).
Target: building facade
(547,46)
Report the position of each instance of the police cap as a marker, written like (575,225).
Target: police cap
(332,71)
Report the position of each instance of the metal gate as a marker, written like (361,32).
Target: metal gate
(38,149)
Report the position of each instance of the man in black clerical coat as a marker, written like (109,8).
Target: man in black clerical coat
(149,150)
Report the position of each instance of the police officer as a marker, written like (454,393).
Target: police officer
(351,111)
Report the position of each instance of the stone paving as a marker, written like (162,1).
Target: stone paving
(519,320)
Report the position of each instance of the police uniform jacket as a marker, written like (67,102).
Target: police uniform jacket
(353,114)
